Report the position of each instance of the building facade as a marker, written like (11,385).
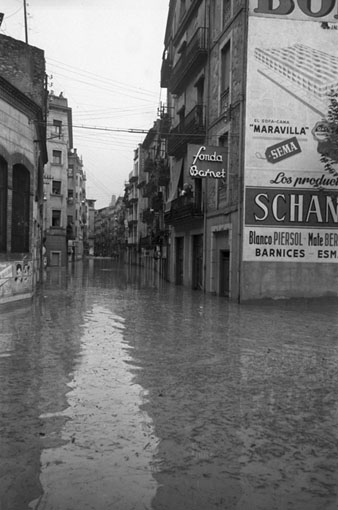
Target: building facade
(90,231)
(23,154)
(65,212)
(251,212)
(111,230)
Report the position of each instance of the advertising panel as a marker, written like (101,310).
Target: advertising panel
(291,201)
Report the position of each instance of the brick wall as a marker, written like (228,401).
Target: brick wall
(24,67)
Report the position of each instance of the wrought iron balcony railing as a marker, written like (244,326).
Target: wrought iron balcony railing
(193,56)
(149,165)
(183,208)
(191,129)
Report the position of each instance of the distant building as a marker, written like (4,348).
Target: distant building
(111,232)
(90,231)
(22,157)
(76,207)
(64,188)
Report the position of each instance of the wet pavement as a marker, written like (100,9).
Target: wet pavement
(119,391)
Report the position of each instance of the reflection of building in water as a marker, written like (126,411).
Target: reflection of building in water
(307,68)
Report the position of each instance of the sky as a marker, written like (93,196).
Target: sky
(105,56)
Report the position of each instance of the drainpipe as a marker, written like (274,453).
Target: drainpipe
(205,201)
(242,157)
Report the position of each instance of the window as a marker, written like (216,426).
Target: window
(200,90)
(226,11)
(56,218)
(57,157)
(57,127)
(20,209)
(183,9)
(181,114)
(3,204)
(56,187)
(71,193)
(225,62)
(225,78)
(224,142)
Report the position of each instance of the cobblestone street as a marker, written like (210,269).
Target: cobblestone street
(119,391)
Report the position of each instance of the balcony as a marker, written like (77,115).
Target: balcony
(132,224)
(191,130)
(128,203)
(133,178)
(148,216)
(193,57)
(183,209)
(157,202)
(164,125)
(145,242)
(149,189)
(149,165)
(165,72)
(163,174)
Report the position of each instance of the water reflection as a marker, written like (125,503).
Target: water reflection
(37,356)
(118,390)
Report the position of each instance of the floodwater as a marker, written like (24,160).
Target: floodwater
(119,391)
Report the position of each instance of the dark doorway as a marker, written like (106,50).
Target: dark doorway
(197,262)
(224,273)
(179,260)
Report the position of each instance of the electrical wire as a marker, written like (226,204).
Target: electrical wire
(96,77)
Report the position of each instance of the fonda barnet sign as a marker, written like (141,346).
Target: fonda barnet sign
(206,161)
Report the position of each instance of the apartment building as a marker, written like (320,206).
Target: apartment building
(251,211)
(111,230)
(65,212)
(89,247)
(76,207)
(154,188)
(22,157)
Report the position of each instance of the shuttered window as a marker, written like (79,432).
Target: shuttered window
(3,204)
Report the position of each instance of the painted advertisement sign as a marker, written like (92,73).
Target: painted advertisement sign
(291,201)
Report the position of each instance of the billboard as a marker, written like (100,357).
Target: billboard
(290,200)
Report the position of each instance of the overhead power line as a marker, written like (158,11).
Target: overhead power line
(121,130)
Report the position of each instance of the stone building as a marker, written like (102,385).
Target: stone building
(22,157)
(111,230)
(90,231)
(247,130)
(64,188)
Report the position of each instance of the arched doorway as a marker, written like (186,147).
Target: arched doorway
(20,209)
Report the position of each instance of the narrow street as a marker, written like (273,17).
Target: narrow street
(119,391)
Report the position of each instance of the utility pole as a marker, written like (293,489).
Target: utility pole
(25,15)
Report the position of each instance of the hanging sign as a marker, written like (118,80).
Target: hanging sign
(206,161)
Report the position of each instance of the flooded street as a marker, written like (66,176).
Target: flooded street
(119,391)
